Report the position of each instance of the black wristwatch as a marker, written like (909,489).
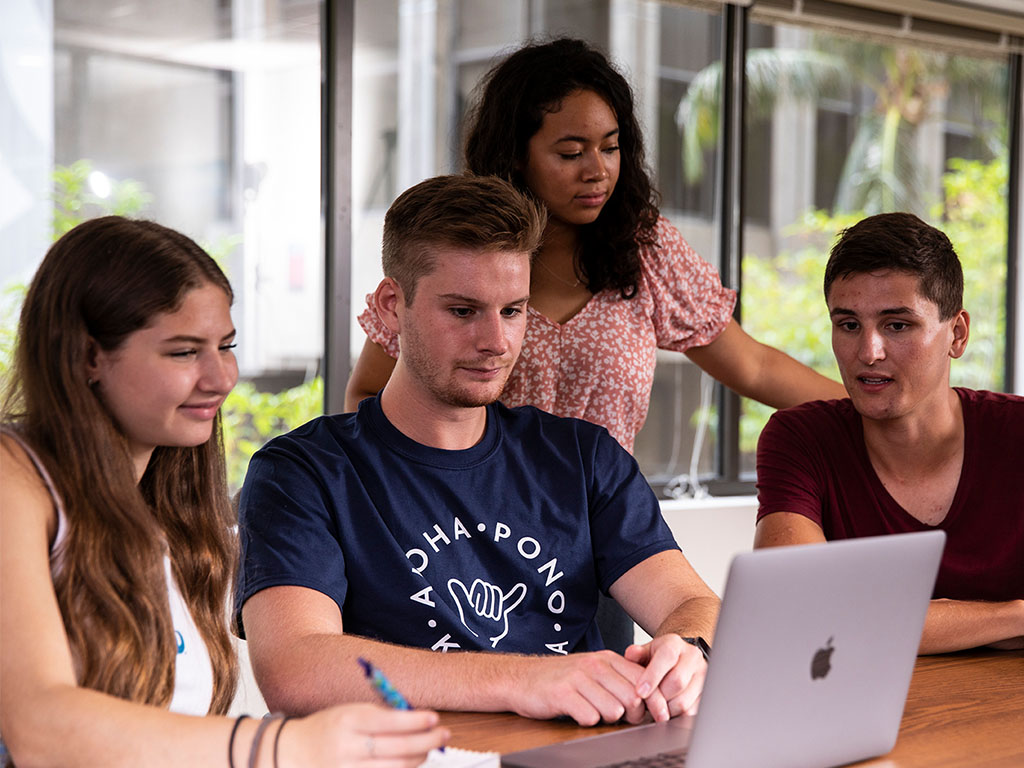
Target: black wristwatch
(702,644)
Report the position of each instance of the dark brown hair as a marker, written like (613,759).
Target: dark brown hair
(516,94)
(902,242)
(104,280)
(482,212)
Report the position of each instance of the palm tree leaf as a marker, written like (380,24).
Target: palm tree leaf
(773,74)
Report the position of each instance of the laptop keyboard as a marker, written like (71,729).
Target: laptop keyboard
(673,759)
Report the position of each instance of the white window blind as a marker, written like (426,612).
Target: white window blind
(980,26)
(992,26)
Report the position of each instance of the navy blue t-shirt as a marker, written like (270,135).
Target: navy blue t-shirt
(501,546)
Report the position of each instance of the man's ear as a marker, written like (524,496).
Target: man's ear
(961,332)
(389,298)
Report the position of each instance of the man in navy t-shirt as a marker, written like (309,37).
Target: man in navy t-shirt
(459,545)
(906,452)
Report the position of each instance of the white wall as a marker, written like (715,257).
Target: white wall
(710,532)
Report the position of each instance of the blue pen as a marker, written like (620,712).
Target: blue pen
(387,692)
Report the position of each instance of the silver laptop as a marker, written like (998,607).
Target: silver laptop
(811,663)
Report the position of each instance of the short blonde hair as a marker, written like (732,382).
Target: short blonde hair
(464,211)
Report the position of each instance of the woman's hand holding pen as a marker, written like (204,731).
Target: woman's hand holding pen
(360,735)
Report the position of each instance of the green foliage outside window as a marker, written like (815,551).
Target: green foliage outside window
(250,417)
(74,201)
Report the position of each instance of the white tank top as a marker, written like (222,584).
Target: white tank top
(193,672)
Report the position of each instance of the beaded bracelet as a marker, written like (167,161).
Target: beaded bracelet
(277,736)
(231,741)
(254,750)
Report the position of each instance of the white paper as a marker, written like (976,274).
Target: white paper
(453,757)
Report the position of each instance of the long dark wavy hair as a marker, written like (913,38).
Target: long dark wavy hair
(513,98)
(104,280)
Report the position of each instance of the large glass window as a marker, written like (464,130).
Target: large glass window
(206,118)
(843,127)
(837,126)
(677,445)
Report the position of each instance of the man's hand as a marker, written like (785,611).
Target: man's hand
(588,687)
(673,675)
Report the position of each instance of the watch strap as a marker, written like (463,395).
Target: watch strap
(701,644)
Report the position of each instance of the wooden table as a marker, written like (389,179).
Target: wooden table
(964,710)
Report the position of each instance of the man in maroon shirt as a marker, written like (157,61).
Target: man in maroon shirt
(906,451)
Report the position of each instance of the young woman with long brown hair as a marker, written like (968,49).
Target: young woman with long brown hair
(117,540)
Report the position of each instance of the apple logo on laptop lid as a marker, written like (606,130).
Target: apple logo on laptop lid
(821,663)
